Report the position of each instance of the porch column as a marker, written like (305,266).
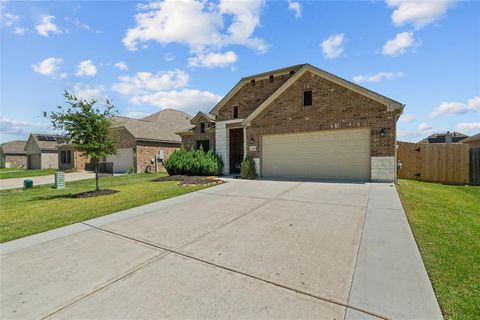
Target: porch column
(222,145)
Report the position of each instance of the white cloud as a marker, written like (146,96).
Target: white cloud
(407,118)
(188,100)
(85,26)
(19,30)
(121,66)
(418,12)
(333,46)
(18,127)
(424,126)
(48,66)
(46,26)
(454,108)
(168,57)
(198,24)
(136,114)
(295,7)
(143,82)
(468,127)
(89,92)
(211,60)
(9,19)
(377,77)
(86,68)
(400,44)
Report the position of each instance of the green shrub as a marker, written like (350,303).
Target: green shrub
(131,170)
(247,168)
(195,162)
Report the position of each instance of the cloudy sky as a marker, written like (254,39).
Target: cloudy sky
(188,54)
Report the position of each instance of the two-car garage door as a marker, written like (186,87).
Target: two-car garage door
(332,154)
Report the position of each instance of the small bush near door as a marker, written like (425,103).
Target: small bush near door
(247,168)
(195,162)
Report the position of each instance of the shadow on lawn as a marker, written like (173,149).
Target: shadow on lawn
(81,195)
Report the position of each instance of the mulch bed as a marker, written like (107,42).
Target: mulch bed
(96,193)
(189,180)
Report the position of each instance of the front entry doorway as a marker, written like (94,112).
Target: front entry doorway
(236,150)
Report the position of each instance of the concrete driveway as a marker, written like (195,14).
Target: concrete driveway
(245,249)
(48,179)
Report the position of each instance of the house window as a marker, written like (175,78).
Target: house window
(65,156)
(271,78)
(202,127)
(204,144)
(235,112)
(307,98)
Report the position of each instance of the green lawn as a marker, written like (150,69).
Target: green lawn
(43,208)
(446,223)
(9,173)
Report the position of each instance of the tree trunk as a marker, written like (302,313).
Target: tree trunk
(97,187)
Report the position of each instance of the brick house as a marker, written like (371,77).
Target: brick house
(142,140)
(13,155)
(302,122)
(70,158)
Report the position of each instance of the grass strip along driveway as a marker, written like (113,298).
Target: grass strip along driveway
(43,208)
(445,220)
(10,173)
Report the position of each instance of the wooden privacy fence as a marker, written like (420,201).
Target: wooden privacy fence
(475,166)
(436,162)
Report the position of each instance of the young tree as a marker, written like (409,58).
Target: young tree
(87,128)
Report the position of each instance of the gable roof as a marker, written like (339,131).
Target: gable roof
(201,114)
(246,80)
(473,138)
(47,141)
(389,103)
(14,147)
(168,115)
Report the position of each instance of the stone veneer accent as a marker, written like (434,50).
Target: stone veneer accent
(222,144)
(383,169)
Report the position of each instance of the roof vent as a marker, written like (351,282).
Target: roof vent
(252,82)
(271,78)
(292,72)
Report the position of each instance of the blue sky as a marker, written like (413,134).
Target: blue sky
(147,56)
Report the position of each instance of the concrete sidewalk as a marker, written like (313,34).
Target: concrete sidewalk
(245,249)
(49,179)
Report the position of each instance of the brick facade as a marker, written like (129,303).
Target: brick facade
(189,140)
(146,150)
(333,107)
(249,97)
(15,161)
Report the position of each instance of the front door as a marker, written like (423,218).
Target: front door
(236,150)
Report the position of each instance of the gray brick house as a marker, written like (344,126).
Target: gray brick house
(302,122)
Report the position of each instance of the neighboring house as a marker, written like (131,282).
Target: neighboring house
(13,155)
(42,151)
(201,133)
(473,141)
(302,122)
(446,137)
(141,140)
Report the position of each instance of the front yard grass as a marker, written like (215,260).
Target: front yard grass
(445,220)
(43,208)
(10,173)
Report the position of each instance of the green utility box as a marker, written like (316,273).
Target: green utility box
(27,184)
(59,180)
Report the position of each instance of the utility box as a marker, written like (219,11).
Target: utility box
(59,180)
(27,184)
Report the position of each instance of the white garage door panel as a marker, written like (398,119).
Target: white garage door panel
(334,154)
(122,160)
